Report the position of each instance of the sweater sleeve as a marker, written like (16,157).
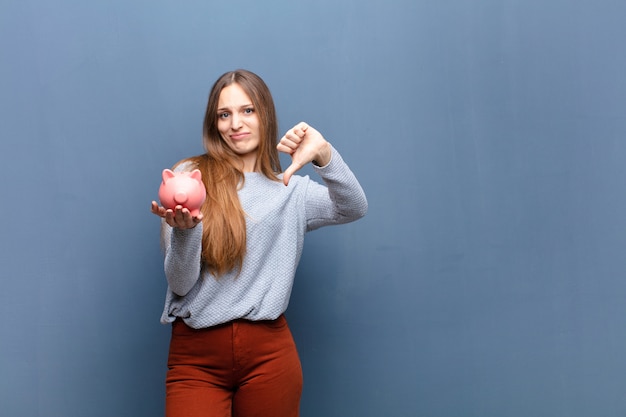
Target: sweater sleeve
(340,200)
(182,251)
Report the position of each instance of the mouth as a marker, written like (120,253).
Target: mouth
(239,136)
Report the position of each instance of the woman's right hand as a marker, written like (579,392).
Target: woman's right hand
(180,217)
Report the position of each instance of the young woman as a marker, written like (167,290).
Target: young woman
(230,270)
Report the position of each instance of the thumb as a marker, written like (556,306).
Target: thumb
(290,171)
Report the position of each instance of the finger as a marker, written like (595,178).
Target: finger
(187,221)
(169,217)
(286,177)
(285,149)
(183,215)
(178,213)
(291,143)
(302,126)
(294,135)
(156,209)
(300,130)
(160,212)
(293,168)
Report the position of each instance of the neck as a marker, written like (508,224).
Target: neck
(249,163)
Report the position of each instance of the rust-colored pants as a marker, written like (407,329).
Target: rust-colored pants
(238,369)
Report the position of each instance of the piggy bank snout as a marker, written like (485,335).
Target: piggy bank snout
(181,197)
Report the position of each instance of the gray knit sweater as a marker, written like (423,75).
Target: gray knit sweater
(277,219)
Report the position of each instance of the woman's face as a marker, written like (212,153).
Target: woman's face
(238,124)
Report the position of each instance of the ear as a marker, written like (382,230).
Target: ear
(196,175)
(167,174)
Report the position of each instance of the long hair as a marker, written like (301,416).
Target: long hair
(224,224)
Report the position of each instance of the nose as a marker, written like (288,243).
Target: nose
(235,122)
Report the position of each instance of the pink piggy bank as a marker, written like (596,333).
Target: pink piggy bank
(182,188)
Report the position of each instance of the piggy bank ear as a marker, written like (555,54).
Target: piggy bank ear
(167,174)
(196,175)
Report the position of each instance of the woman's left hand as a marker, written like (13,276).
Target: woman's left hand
(304,144)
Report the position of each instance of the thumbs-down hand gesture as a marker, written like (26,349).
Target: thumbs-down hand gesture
(304,144)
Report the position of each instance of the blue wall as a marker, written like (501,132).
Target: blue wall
(490,136)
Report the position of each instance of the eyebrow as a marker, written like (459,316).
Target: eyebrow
(241,107)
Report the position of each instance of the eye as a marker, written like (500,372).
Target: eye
(248,110)
(223,115)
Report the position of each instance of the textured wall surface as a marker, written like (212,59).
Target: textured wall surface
(487,278)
